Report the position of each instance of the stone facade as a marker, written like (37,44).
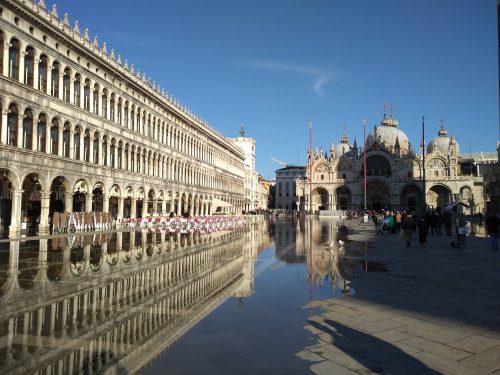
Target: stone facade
(285,191)
(394,175)
(82,130)
(247,145)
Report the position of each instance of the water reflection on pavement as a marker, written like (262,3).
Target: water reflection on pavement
(231,300)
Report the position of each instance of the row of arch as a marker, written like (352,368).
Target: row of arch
(38,70)
(28,202)
(379,197)
(36,132)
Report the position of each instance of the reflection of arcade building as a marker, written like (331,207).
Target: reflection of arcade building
(394,174)
(84,304)
(82,130)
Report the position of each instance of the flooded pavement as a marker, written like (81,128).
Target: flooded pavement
(152,301)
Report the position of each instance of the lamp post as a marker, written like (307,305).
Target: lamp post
(364,162)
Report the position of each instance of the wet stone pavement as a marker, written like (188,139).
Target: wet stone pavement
(436,310)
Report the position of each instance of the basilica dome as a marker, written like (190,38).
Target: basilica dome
(343,147)
(389,135)
(442,142)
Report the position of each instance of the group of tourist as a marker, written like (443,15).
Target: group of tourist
(406,224)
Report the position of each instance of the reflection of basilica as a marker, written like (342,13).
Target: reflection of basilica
(88,303)
(394,173)
(305,243)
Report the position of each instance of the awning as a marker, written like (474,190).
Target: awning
(216,202)
(450,206)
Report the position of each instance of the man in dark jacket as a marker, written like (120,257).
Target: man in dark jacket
(492,224)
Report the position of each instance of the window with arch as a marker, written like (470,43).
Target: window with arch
(86,95)
(95,148)
(119,155)
(12,119)
(76,90)
(112,148)
(119,111)
(76,143)
(28,130)
(54,137)
(132,159)
(132,118)
(41,133)
(65,140)
(66,85)
(86,146)
(29,65)
(104,104)
(2,42)
(125,157)
(54,80)
(42,73)
(95,103)
(112,108)
(14,47)
(105,151)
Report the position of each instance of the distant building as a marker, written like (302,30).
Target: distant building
(286,182)
(263,194)
(394,174)
(247,145)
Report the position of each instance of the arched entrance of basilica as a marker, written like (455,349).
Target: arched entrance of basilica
(343,195)
(439,196)
(319,199)
(411,199)
(377,196)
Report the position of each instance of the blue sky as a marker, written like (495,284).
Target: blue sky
(276,65)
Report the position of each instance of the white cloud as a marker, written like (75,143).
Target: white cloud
(320,77)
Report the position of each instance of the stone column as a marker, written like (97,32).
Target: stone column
(49,77)
(82,145)
(100,159)
(68,201)
(72,143)
(20,124)
(36,72)
(21,67)
(108,108)
(48,139)
(5,67)
(119,215)
(105,203)
(71,90)
(43,228)
(82,96)
(88,202)
(133,207)
(60,93)
(15,221)
(60,140)
(3,135)
(144,207)
(163,206)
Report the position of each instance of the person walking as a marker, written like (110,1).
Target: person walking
(423,230)
(397,221)
(409,226)
(492,225)
(391,223)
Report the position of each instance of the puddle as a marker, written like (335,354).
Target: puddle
(374,267)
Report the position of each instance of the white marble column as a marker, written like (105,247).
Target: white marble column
(43,228)
(15,221)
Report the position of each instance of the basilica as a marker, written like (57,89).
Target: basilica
(334,181)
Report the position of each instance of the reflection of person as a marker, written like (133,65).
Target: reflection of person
(492,224)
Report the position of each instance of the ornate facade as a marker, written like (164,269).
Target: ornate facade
(394,174)
(82,130)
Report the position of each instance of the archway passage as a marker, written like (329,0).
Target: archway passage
(97,198)
(439,196)
(377,196)
(31,207)
(5,199)
(411,198)
(319,199)
(58,191)
(343,196)
(79,196)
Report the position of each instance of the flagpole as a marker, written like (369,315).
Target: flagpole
(310,168)
(364,161)
(423,165)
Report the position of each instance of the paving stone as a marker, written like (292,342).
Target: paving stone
(437,348)
(309,356)
(392,335)
(476,344)
(346,359)
(489,359)
(445,365)
(329,368)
